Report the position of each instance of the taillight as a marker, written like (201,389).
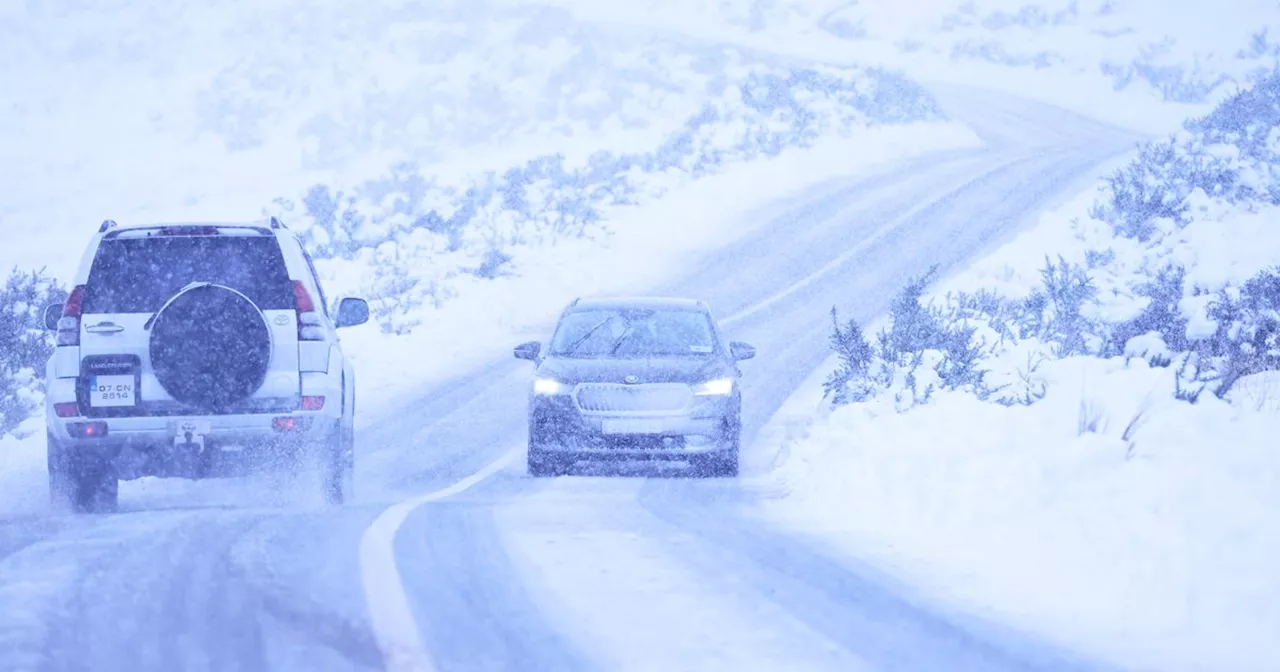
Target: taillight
(69,325)
(310,323)
(290,424)
(66,410)
(312,403)
(87,430)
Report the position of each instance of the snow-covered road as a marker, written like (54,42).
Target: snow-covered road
(625,569)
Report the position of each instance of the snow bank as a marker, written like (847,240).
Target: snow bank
(1075,434)
(1156,550)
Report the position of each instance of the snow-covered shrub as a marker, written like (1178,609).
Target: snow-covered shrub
(924,348)
(24,343)
(850,382)
(1247,339)
(1232,155)
(472,225)
(1161,316)
(1175,266)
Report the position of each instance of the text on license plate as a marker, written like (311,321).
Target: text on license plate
(632,426)
(109,391)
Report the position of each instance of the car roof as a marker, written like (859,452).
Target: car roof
(256,224)
(134,229)
(651,302)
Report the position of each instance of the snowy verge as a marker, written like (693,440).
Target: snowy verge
(1075,434)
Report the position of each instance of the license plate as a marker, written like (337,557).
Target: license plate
(112,391)
(632,426)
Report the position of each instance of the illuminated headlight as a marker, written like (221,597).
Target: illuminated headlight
(547,386)
(714,388)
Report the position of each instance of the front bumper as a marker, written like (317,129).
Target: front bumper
(558,427)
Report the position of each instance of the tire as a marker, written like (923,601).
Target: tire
(724,462)
(190,337)
(542,464)
(62,489)
(80,485)
(338,466)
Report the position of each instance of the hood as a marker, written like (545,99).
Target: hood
(657,370)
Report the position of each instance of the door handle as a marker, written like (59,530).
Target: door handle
(104,328)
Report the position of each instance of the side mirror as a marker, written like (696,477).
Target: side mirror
(740,351)
(52,314)
(529,351)
(351,312)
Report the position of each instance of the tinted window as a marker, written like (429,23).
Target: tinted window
(634,333)
(137,275)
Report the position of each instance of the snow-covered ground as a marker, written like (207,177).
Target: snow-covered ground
(1074,487)
(1142,63)
(1104,511)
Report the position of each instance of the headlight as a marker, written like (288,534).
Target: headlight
(714,388)
(547,386)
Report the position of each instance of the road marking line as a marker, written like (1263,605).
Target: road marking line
(862,245)
(393,623)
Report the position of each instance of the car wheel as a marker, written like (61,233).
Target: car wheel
(80,483)
(724,462)
(542,463)
(339,467)
(62,487)
(98,489)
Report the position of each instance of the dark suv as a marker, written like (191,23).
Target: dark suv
(635,378)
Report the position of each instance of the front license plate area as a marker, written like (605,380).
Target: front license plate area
(613,426)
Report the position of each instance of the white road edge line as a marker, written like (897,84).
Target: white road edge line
(391,616)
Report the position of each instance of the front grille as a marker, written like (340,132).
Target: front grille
(650,398)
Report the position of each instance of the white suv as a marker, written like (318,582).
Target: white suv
(197,351)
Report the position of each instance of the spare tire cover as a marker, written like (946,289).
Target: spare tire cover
(210,347)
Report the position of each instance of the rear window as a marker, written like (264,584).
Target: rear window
(137,275)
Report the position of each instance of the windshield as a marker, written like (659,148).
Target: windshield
(137,275)
(634,333)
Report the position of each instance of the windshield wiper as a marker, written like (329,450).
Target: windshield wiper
(583,338)
(622,338)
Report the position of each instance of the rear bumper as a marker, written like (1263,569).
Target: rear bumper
(558,428)
(225,445)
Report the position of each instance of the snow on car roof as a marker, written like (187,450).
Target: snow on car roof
(668,302)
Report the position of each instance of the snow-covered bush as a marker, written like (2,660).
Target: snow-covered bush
(944,343)
(1174,264)
(24,343)
(441,229)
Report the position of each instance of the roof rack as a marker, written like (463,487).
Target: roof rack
(107,225)
(276,223)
